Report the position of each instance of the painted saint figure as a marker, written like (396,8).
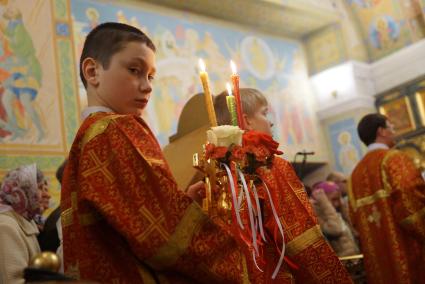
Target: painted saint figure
(22,85)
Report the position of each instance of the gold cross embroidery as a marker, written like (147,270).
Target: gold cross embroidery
(99,167)
(155,225)
(375,216)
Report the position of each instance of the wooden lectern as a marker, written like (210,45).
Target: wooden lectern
(191,135)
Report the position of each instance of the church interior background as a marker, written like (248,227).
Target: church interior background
(322,65)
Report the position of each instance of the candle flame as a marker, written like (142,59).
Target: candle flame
(201,65)
(229,89)
(233,67)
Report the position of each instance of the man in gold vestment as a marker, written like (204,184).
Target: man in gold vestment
(387,207)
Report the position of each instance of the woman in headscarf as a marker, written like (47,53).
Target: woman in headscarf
(20,202)
(43,186)
(327,203)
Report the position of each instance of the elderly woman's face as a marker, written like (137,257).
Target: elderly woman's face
(43,189)
(335,198)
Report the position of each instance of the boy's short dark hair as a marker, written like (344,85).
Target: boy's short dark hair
(368,127)
(60,171)
(221,110)
(107,39)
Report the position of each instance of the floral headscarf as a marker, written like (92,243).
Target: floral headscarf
(19,190)
(327,186)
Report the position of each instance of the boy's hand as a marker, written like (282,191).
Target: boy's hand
(196,191)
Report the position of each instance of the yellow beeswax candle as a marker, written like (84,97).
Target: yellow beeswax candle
(231,105)
(208,98)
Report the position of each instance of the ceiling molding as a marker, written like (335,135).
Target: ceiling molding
(290,18)
(347,105)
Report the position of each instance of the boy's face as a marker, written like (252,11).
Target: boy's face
(126,85)
(390,133)
(259,121)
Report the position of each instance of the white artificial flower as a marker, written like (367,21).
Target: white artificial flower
(225,135)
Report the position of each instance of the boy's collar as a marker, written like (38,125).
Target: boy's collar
(375,146)
(92,109)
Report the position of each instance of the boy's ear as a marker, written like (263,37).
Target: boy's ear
(380,132)
(247,121)
(90,73)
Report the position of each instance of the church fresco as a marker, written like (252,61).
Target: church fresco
(345,144)
(367,31)
(41,96)
(388,26)
(275,66)
(39,111)
(29,92)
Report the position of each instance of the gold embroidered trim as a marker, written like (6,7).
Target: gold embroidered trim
(179,241)
(66,217)
(245,276)
(146,275)
(304,240)
(149,159)
(155,161)
(367,200)
(387,186)
(380,194)
(416,217)
(97,128)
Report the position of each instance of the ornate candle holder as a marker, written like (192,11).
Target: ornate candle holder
(230,171)
(218,203)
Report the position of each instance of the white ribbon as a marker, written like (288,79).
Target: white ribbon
(255,261)
(279,225)
(250,211)
(240,198)
(260,218)
(232,188)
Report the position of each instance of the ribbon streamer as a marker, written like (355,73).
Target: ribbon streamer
(260,218)
(250,211)
(282,253)
(236,205)
(255,261)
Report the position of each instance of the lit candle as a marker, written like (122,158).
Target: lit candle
(230,100)
(207,94)
(235,82)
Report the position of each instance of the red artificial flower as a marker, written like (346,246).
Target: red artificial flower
(212,151)
(260,144)
(238,153)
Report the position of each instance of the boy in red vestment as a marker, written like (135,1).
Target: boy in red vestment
(387,207)
(124,219)
(305,245)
